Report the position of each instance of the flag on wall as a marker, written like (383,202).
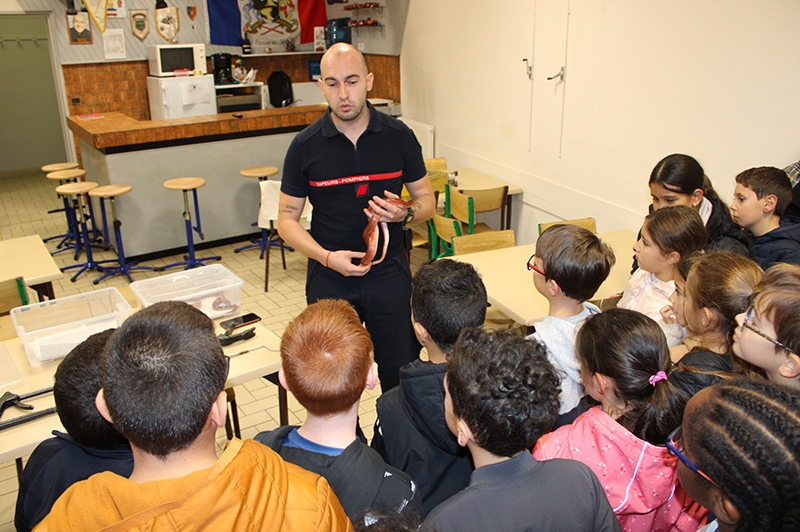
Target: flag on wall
(266,22)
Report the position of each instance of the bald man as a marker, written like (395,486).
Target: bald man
(345,164)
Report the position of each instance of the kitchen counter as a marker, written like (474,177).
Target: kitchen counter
(120,132)
(118,149)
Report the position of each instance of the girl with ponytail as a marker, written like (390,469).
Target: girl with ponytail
(624,361)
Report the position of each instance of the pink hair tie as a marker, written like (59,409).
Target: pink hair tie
(660,376)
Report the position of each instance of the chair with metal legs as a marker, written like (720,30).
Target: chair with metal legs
(262,173)
(186,184)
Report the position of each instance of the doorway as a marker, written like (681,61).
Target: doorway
(32,131)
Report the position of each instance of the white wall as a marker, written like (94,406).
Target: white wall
(10,6)
(716,79)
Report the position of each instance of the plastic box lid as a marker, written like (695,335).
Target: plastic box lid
(50,329)
(213,289)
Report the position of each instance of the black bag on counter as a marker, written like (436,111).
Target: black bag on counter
(280,89)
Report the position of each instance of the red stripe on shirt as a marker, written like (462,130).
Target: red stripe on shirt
(355,179)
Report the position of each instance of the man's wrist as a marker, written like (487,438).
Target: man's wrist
(409,216)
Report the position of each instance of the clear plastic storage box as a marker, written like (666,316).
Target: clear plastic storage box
(213,289)
(49,330)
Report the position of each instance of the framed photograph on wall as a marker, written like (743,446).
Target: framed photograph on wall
(79,28)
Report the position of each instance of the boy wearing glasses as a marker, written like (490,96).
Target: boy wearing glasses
(569,266)
(768,335)
(163,390)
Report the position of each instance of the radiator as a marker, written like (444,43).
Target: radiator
(425,136)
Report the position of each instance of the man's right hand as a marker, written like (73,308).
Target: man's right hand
(346,263)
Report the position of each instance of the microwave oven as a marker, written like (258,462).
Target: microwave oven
(164,59)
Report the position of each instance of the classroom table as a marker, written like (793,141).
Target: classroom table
(469,179)
(27,257)
(250,359)
(509,284)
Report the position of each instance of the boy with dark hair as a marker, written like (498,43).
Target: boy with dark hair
(91,444)
(411,432)
(759,201)
(326,362)
(569,266)
(501,396)
(163,389)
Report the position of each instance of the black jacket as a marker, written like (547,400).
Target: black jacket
(724,234)
(705,364)
(55,465)
(411,434)
(779,245)
(359,477)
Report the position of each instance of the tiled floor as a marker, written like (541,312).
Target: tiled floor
(24,202)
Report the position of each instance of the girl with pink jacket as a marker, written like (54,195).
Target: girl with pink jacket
(624,357)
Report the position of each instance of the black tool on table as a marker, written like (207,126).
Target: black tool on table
(228,338)
(10,399)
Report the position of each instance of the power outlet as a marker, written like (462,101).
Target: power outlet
(75,101)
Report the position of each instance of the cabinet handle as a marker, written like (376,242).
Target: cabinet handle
(561,74)
(528,68)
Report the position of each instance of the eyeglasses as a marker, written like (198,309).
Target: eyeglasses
(675,448)
(532,266)
(748,315)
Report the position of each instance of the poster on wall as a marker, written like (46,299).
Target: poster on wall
(97,10)
(140,24)
(114,44)
(116,9)
(80,32)
(167,23)
(267,22)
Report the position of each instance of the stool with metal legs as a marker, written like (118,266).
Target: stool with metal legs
(124,267)
(70,174)
(72,238)
(80,191)
(55,167)
(263,173)
(185,184)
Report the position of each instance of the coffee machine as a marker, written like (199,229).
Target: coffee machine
(221,65)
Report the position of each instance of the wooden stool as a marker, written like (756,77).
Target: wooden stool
(55,167)
(185,184)
(72,175)
(110,192)
(79,191)
(262,173)
(64,173)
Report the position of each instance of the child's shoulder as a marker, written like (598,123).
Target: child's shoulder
(782,244)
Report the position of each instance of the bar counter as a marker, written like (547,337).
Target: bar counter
(118,149)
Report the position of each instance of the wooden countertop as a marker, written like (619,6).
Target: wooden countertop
(112,130)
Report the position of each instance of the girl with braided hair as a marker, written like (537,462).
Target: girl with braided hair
(739,448)
(624,358)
